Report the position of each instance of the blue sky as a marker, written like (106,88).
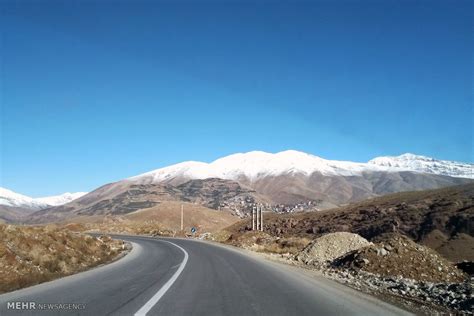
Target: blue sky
(92,92)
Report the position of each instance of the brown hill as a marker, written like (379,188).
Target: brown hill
(448,213)
(336,190)
(126,197)
(164,218)
(13,214)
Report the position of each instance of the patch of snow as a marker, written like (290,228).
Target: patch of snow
(60,199)
(426,164)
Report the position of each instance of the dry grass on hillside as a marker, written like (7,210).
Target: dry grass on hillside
(262,242)
(169,216)
(163,219)
(32,255)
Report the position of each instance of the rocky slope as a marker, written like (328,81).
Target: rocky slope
(397,255)
(448,212)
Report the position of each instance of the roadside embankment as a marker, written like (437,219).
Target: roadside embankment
(34,254)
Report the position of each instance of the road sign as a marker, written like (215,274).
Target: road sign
(193,230)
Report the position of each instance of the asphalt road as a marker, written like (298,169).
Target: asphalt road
(187,277)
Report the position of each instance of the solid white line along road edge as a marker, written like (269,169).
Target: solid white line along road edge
(149,305)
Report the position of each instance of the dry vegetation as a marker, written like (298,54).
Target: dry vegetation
(163,219)
(31,255)
(440,219)
(263,242)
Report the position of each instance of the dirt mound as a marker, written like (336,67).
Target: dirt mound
(397,255)
(331,246)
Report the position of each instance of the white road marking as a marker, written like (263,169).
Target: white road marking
(149,305)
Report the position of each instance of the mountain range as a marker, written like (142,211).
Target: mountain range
(240,180)
(14,205)
(257,164)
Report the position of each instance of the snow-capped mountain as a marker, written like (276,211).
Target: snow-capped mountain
(257,164)
(288,177)
(13,199)
(254,165)
(427,165)
(10,198)
(60,199)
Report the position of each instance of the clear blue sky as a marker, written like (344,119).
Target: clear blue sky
(92,92)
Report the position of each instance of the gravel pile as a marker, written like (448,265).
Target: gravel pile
(457,297)
(331,246)
(397,255)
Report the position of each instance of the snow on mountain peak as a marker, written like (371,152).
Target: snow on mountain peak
(60,199)
(426,164)
(253,165)
(10,198)
(189,169)
(256,164)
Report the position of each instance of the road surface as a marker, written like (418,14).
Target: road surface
(188,277)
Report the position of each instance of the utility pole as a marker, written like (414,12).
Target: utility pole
(182,217)
(258,219)
(261,219)
(253,218)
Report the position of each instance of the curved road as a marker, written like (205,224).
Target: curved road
(188,277)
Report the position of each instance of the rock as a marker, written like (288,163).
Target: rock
(407,259)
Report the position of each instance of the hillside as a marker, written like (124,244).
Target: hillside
(14,214)
(31,255)
(124,198)
(163,219)
(442,219)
